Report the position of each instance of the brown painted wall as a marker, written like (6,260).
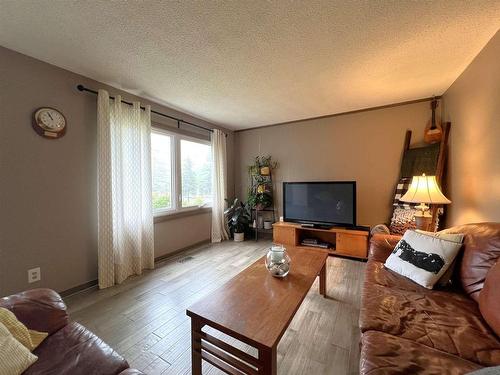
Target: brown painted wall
(48,187)
(182,232)
(364,146)
(472,104)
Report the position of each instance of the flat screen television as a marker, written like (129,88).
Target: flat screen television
(322,203)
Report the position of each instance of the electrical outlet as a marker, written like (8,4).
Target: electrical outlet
(34,275)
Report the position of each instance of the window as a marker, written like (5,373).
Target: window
(196,173)
(182,172)
(161,165)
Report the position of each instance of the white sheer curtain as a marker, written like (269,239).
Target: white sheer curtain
(125,213)
(219,225)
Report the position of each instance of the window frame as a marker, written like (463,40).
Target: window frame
(171,210)
(176,174)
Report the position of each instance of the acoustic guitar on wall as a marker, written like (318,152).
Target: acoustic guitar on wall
(433,132)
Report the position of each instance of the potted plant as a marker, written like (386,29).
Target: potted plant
(266,164)
(260,195)
(238,219)
(262,166)
(259,201)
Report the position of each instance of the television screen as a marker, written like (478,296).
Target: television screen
(327,203)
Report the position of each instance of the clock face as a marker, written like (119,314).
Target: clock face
(50,119)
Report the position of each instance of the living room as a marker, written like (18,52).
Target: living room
(237,187)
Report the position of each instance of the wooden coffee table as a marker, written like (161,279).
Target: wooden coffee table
(255,308)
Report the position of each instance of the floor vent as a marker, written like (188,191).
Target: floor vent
(186,259)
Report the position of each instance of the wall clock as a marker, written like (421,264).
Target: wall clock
(49,122)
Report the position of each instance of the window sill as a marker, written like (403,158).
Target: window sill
(180,214)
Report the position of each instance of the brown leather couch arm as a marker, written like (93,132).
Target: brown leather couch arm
(39,309)
(381,246)
(489,298)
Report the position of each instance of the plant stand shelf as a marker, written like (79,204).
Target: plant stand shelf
(262,213)
(266,213)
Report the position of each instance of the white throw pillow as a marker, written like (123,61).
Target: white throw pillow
(454,237)
(444,280)
(422,258)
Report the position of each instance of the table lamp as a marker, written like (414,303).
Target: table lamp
(424,189)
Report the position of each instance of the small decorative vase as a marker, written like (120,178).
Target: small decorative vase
(268,224)
(278,261)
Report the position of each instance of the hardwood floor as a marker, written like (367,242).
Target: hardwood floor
(145,320)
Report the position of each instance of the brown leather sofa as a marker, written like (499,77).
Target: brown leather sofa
(407,329)
(70,348)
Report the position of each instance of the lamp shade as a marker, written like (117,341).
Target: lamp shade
(424,189)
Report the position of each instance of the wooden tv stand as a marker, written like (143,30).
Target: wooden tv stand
(346,242)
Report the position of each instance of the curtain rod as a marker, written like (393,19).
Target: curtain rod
(179,121)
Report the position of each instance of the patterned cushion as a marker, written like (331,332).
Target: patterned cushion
(14,357)
(402,217)
(422,258)
(402,220)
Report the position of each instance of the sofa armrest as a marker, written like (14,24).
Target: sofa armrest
(381,246)
(39,309)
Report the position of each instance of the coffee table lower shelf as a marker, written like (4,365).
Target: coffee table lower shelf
(226,357)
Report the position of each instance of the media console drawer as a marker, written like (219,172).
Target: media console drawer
(285,236)
(352,245)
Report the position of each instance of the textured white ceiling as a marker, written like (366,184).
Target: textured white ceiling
(249,63)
